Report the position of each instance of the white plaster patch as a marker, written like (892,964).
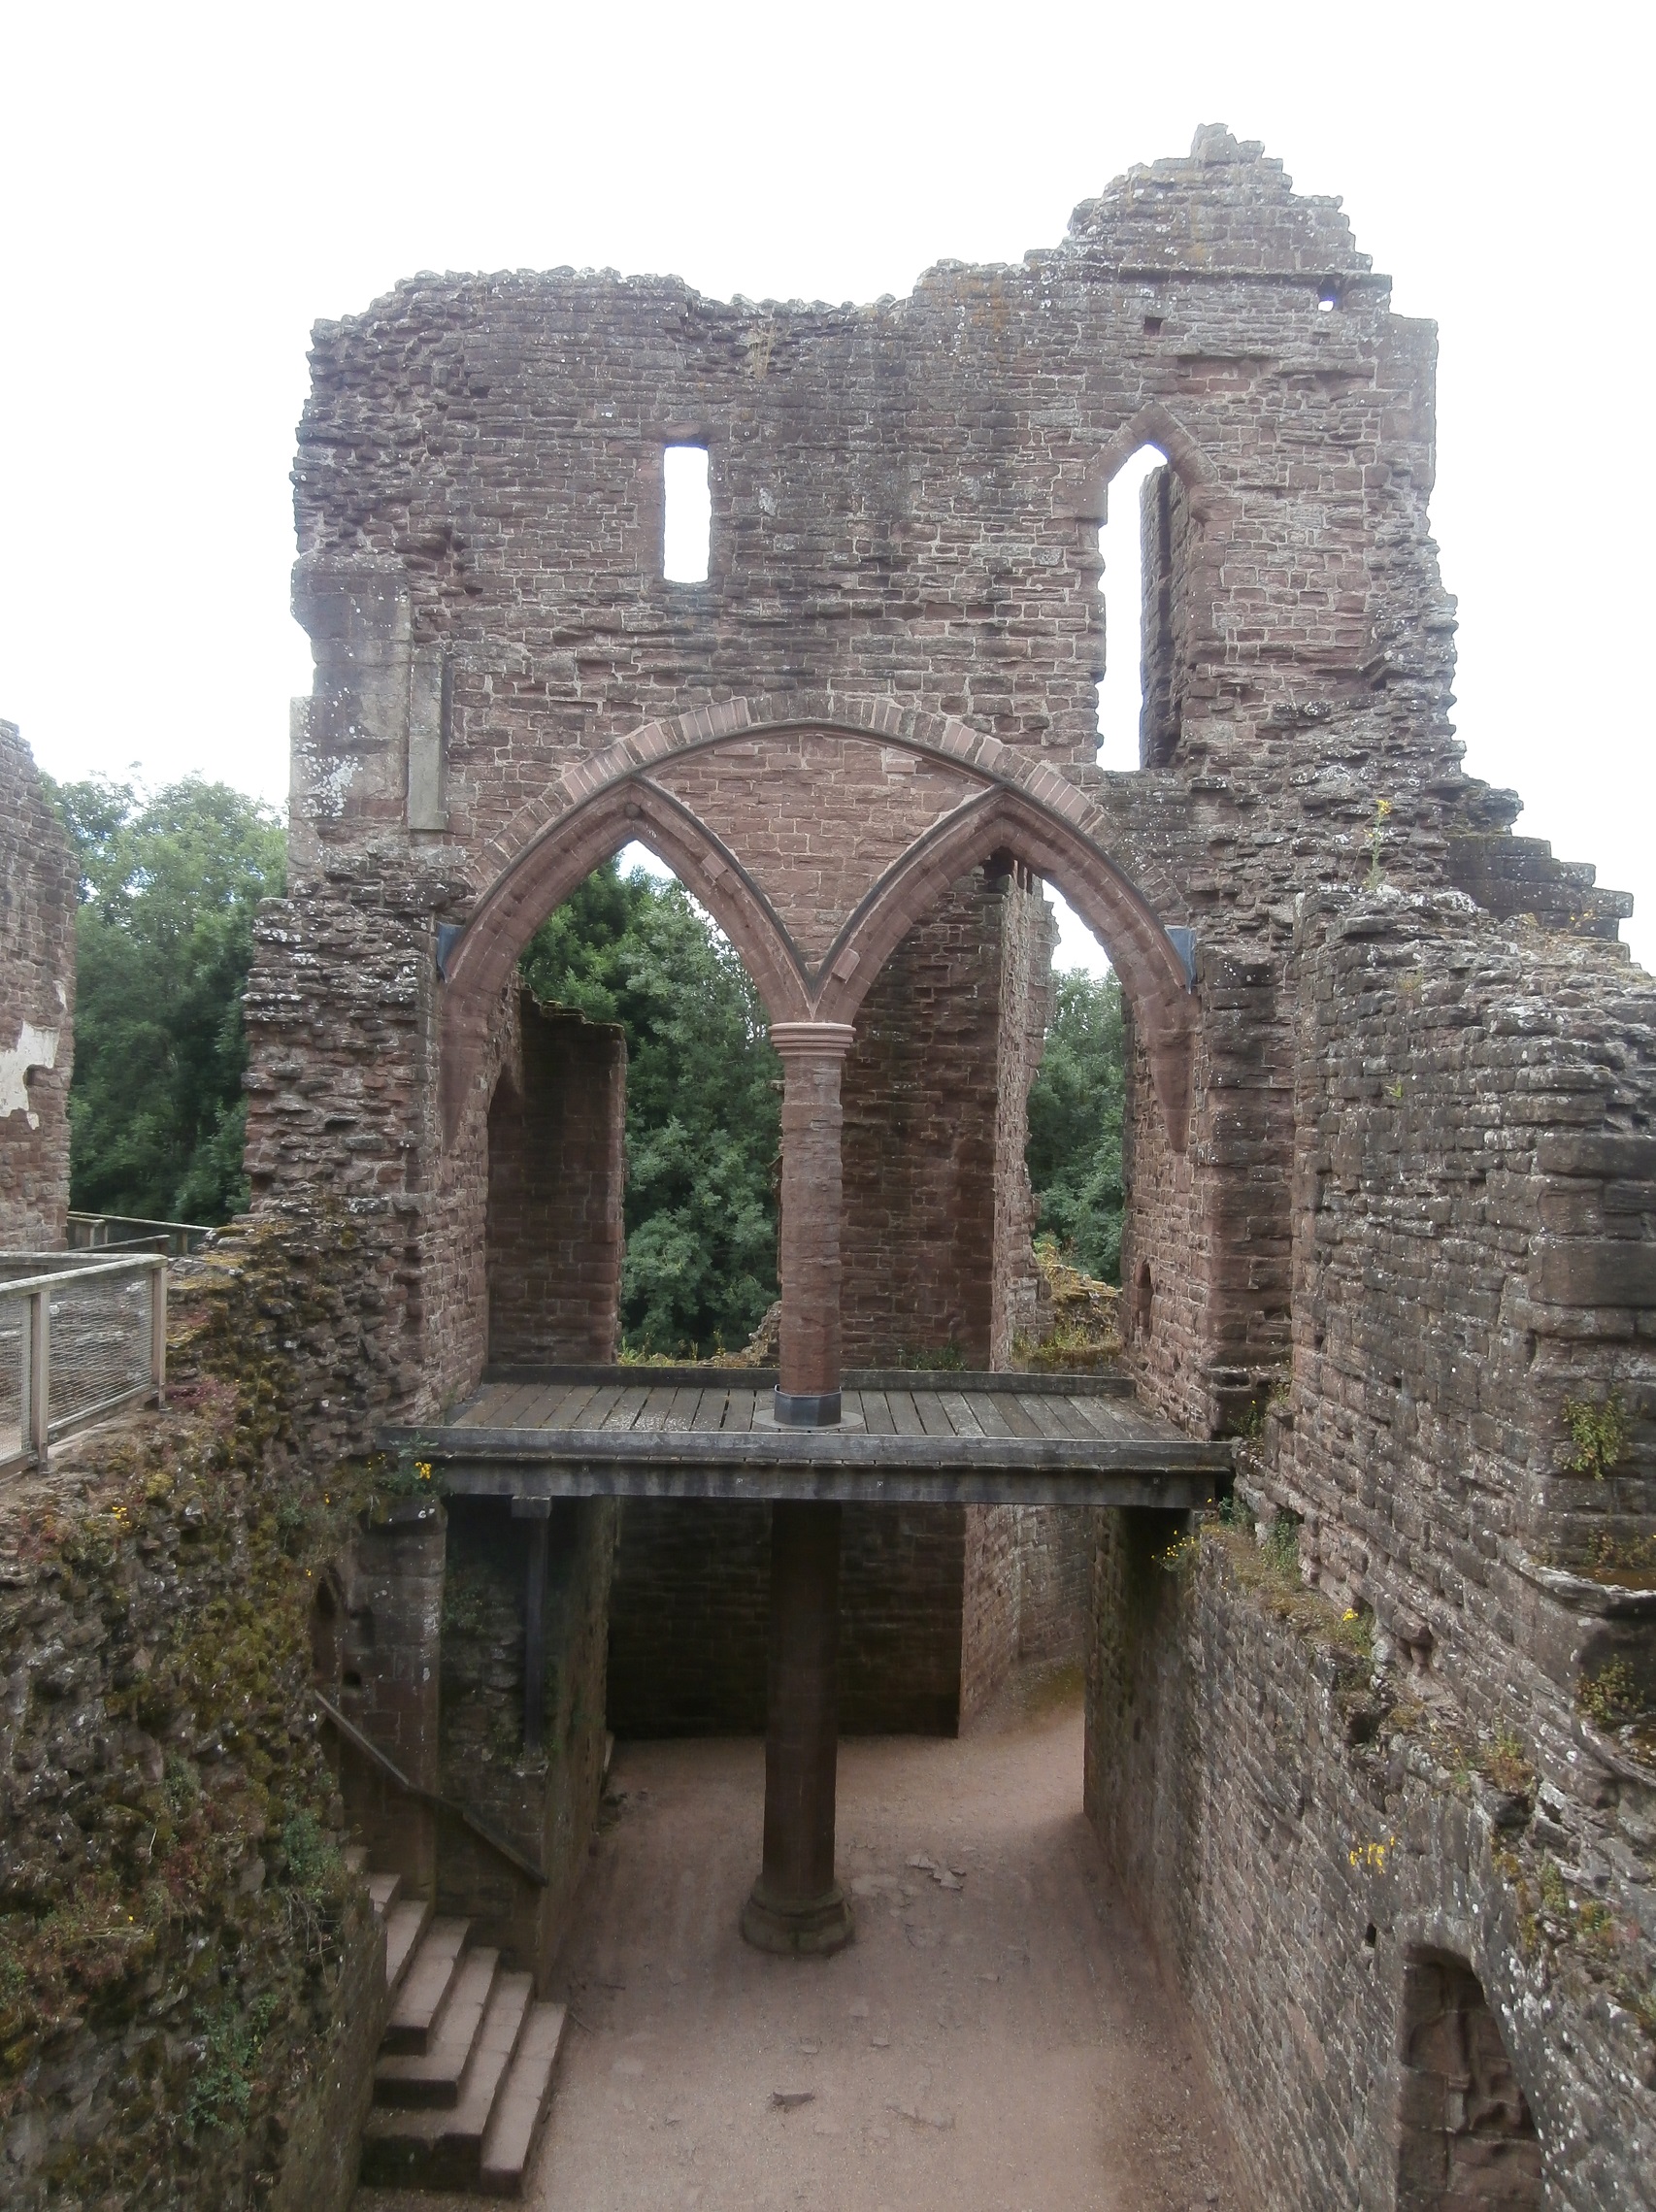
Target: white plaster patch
(34,1049)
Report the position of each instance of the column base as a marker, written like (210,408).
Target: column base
(797,1410)
(813,1930)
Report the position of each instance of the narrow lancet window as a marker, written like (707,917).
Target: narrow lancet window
(1128,611)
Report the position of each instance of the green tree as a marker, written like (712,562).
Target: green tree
(1074,1124)
(702,1109)
(168,883)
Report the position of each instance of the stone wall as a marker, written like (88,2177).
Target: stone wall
(39,891)
(557,1175)
(1475,1252)
(938,1214)
(1054,1580)
(1027,1591)
(541,1800)
(690,1606)
(1306,1830)
(936,1606)
(193,1983)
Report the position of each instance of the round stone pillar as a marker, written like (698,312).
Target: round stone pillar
(796,1905)
(808,1387)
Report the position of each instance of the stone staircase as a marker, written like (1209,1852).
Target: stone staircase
(465,2072)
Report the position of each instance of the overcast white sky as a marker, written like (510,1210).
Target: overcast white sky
(187,188)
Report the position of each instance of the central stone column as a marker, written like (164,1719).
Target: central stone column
(797,1907)
(808,1386)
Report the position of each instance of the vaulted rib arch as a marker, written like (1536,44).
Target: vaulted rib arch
(542,877)
(1151,970)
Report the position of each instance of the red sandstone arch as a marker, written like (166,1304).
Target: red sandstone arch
(1151,970)
(542,877)
(609,799)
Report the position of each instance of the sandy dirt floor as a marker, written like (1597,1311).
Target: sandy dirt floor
(996,2039)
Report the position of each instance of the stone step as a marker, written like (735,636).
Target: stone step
(433,2076)
(419,2003)
(384,1890)
(521,2106)
(443,2147)
(405,1924)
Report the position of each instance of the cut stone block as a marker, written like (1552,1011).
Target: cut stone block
(425,1990)
(442,2147)
(405,1924)
(433,2076)
(523,2104)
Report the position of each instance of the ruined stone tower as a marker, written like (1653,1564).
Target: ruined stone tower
(1392,1159)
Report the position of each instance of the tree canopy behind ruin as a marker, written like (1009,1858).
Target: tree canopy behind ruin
(1074,1124)
(704,1109)
(168,886)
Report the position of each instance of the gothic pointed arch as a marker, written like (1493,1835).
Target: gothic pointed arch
(993,796)
(1151,966)
(542,876)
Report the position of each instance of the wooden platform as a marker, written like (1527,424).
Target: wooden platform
(905,1437)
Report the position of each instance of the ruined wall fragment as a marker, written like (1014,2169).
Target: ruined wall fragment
(39,891)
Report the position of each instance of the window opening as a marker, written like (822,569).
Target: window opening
(1466,2137)
(686,533)
(638,1015)
(1126,614)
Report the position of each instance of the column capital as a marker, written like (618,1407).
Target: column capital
(813,1040)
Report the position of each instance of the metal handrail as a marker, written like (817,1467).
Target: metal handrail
(180,1237)
(388,1767)
(133,1264)
(37,1429)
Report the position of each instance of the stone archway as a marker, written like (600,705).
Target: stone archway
(816,841)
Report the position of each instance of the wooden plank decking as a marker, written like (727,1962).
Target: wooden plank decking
(904,1436)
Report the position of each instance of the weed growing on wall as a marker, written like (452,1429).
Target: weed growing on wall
(1610,1696)
(1599,1434)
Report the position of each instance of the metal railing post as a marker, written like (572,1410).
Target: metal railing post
(40,1374)
(158,1330)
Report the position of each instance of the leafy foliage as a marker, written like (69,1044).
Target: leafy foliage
(1599,1434)
(703,1107)
(1074,1124)
(169,884)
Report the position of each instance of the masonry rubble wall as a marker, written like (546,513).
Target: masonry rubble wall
(557,1175)
(689,1613)
(937,1604)
(39,892)
(391,1576)
(195,1981)
(541,1801)
(938,1214)
(172,1593)
(1302,1825)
